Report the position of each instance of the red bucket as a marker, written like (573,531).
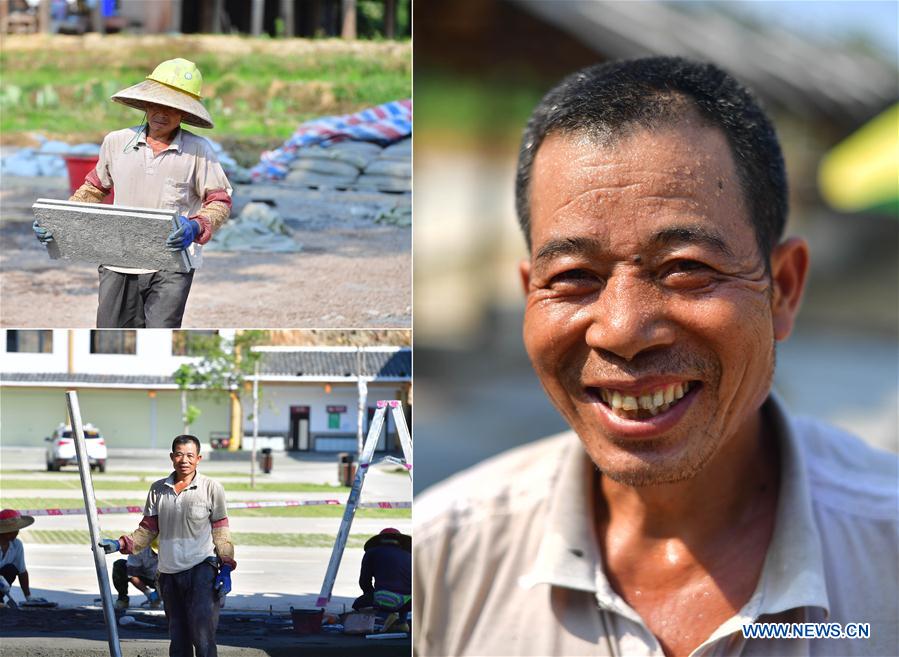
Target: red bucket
(79,166)
(307,621)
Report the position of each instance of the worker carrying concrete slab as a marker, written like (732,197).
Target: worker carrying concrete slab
(12,559)
(158,164)
(188,513)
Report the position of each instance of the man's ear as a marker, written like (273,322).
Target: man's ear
(789,267)
(524,271)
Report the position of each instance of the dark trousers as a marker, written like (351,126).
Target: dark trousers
(9,573)
(154,300)
(120,579)
(192,610)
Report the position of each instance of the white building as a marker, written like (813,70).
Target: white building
(309,396)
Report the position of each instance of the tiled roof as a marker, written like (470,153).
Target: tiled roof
(301,363)
(66,378)
(784,67)
(370,363)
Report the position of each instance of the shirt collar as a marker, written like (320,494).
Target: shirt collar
(170,480)
(793,572)
(176,142)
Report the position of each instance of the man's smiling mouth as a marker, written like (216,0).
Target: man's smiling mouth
(645,404)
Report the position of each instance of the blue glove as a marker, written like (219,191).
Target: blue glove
(44,236)
(223,581)
(183,236)
(110,545)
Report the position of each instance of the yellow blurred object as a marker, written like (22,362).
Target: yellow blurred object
(862,171)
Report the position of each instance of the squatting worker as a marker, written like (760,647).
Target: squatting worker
(187,512)
(686,501)
(160,165)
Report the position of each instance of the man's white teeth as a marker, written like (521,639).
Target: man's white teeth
(654,402)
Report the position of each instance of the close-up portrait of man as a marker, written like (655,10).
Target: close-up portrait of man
(687,511)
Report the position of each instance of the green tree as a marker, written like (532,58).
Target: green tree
(222,369)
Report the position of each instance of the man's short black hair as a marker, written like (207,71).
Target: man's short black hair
(611,100)
(183,439)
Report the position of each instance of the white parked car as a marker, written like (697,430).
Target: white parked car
(61,448)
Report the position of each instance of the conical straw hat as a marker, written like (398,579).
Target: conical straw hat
(151,91)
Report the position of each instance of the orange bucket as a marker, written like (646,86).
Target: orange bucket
(78,167)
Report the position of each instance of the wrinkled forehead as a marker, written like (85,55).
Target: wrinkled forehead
(682,171)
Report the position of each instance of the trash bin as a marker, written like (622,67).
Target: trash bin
(346,469)
(266,460)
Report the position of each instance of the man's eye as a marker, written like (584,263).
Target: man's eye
(688,273)
(574,280)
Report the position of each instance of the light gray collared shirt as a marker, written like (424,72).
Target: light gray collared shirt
(185,520)
(505,562)
(177,178)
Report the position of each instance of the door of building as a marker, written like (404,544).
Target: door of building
(389,431)
(299,428)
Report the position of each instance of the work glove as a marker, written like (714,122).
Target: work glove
(183,236)
(110,545)
(223,581)
(44,236)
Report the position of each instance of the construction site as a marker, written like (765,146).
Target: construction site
(313,135)
(306,431)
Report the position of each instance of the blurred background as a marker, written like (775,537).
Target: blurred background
(826,72)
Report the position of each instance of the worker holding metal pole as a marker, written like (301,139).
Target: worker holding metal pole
(90,506)
(187,511)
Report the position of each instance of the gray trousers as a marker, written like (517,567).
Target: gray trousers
(192,610)
(154,300)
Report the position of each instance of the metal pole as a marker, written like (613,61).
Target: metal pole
(90,506)
(255,424)
(343,533)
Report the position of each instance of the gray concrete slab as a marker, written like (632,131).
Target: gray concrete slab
(110,235)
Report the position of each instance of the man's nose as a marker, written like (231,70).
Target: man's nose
(629,317)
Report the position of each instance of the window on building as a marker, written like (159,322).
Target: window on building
(32,342)
(333,420)
(190,343)
(114,341)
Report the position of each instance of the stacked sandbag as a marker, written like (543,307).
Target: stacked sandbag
(43,161)
(391,171)
(335,166)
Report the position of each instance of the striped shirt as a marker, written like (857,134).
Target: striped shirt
(183,177)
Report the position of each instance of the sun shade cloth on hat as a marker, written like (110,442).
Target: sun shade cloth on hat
(174,83)
(12,521)
(388,536)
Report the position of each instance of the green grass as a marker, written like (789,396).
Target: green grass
(144,484)
(322,511)
(63,91)
(82,537)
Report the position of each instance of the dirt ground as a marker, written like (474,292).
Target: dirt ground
(82,633)
(351,271)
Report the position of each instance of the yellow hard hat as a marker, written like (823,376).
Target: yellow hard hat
(179,74)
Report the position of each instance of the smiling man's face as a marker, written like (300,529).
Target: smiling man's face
(162,120)
(649,308)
